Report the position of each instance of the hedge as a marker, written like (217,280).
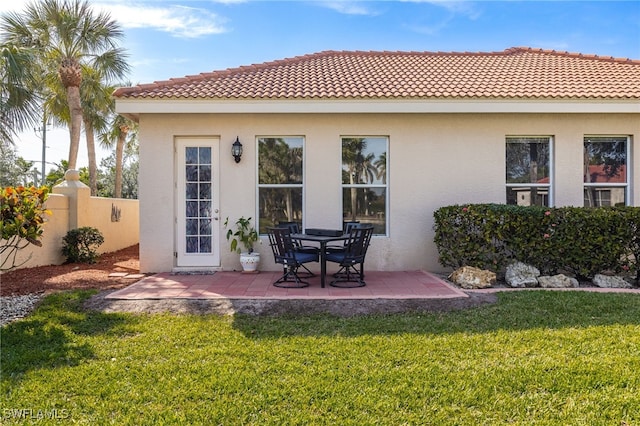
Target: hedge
(576,240)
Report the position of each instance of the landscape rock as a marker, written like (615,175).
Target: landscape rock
(519,274)
(610,281)
(469,277)
(557,281)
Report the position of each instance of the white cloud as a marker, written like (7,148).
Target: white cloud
(349,7)
(181,21)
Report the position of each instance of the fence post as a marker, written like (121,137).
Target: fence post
(79,195)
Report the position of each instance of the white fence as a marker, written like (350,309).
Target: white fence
(73,207)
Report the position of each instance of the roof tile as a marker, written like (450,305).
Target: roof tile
(516,73)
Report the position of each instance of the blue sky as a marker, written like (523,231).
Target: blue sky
(176,38)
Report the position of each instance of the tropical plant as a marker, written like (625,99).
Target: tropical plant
(96,104)
(56,176)
(130,167)
(67,36)
(22,219)
(18,99)
(244,234)
(122,132)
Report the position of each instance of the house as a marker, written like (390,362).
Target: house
(381,137)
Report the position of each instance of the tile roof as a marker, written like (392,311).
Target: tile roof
(516,73)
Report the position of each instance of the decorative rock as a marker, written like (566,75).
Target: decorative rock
(15,307)
(519,274)
(470,278)
(608,281)
(557,281)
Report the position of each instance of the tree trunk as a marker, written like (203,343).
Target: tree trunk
(119,155)
(91,153)
(75,109)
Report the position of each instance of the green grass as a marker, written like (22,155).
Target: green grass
(545,358)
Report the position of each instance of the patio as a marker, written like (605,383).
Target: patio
(236,285)
(235,292)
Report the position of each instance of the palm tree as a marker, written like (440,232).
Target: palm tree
(381,167)
(67,35)
(18,99)
(97,105)
(358,168)
(121,131)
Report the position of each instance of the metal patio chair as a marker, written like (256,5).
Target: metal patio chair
(351,260)
(294,228)
(285,253)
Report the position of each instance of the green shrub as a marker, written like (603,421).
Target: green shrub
(80,244)
(582,241)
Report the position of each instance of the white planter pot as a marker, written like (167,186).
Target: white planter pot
(249,261)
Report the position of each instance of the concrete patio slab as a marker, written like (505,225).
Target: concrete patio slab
(234,285)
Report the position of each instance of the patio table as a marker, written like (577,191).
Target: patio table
(323,240)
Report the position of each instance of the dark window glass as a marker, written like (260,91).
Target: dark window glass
(364,181)
(280,180)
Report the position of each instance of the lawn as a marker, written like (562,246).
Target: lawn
(535,357)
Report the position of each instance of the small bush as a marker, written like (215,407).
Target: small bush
(80,244)
(582,241)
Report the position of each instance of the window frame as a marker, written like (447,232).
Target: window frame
(627,175)
(259,185)
(360,185)
(549,186)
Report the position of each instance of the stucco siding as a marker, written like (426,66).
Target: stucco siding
(434,160)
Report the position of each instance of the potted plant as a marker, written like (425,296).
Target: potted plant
(243,235)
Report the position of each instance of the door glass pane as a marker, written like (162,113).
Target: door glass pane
(204,155)
(198,193)
(205,208)
(191,155)
(191,173)
(204,173)
(192,244)
(205,191)
(192,226)
(192,209)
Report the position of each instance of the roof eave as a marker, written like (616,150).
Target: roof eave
(134,107)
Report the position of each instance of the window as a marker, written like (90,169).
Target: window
(364,181)
(528,166)
(280,180)
(606,174)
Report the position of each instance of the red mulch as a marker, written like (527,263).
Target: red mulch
(73,275)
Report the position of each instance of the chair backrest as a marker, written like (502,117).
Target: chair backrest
(294,227)
(346,226)
(358,242)
(281,243)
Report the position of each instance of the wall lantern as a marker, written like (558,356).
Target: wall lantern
(236,150)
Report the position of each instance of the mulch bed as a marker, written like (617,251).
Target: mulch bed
(72,276)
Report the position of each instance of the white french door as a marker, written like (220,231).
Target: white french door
(197,202)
